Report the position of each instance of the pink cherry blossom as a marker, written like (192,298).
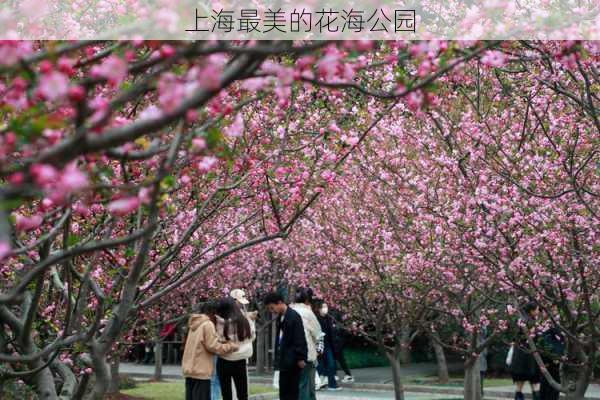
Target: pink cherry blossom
(236,129)
(5,250)
(113,69)
(72,179)
(44,174)
(123,206)
(494,58)
(198,144)
(27,223)
(54,85)
(207,163)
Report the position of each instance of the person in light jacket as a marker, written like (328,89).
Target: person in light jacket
(200,345)
(234,325)
(314,335)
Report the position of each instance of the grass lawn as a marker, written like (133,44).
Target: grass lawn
(174,390)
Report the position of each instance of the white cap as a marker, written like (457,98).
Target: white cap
(239,295)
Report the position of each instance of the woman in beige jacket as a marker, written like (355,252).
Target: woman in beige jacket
(201,344)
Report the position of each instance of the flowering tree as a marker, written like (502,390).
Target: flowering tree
(488,198)
(130,168)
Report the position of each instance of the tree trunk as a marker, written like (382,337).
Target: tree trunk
(440,357)
(113,386)
(472,385)
(44,383)
(260,352)
(405,351)
(582,382)
(396,375)
(158,346)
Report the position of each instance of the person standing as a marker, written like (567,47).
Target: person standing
(523,367)
(200,345)
(291,350)
(313,334)
(327,365)
(552,348)
(236,327)
(339,342)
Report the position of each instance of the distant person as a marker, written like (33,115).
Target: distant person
(339,343)
(291,350)
(167,336)
(313,334)
(523,366)
(327,367)
(236,327)
(200,345)
(552,348)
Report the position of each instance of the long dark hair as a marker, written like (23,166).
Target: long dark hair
(234,318)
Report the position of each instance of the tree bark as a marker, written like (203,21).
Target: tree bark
(472,385)
(406,340)
(396,375)
(582,382)
(260,352)
(440,357)
(113,386)
(158,346)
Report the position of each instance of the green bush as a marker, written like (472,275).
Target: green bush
(13,390)
(364,357)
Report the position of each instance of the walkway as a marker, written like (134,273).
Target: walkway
(367,379)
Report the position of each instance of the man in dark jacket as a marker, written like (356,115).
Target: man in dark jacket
(291,351)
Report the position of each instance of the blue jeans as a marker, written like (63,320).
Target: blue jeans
(215,385)
(327,367)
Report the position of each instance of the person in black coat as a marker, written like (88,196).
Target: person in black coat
(291,351)
(339,342)
(523,367)
(552,348)
(327,366)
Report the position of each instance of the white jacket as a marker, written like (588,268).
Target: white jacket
(246,350)
(312,329)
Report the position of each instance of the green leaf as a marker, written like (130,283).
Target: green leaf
(213,137)
(10,204)
(73,240)
(168,182)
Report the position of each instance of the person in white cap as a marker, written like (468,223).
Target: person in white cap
(239,295)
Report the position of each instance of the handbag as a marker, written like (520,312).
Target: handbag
(509,356)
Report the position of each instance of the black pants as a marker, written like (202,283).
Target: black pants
(339,356)
(289,384)
(197,389)
(236,370)
(547,392)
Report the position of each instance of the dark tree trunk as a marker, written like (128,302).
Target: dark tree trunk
(440,357)
(260,351)
(405,351)
(396,375)
(158,346)
(472,385)
(582,381)
(114,384)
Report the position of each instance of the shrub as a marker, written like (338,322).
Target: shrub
(364,357)
(15,390)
